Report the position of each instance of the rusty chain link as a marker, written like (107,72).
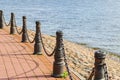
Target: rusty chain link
(45,48)
(29,38)
(26,34)
(66,64)
(10,23)
(5,21)
(92,74)
(18,30)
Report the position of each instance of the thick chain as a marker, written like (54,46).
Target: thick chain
(18,30)
(66,64)
(44,46)
(29,39)
(5,21)
(26,34)
(92,74)
(106,73)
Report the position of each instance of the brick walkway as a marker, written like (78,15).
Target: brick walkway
(18,63)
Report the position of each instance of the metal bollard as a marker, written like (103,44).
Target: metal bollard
(99,65)
(24,30)
(37,45)
(1,20)
(13,24)
(58,66)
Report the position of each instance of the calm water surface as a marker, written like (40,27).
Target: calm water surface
(94,22)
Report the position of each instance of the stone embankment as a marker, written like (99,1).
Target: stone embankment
(81,58)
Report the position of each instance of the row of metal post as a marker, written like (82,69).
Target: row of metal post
(59,64)
(58,67)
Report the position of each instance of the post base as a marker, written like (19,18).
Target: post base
(24,41)
(38,53)
(56,76)
(1,27)
(99,79)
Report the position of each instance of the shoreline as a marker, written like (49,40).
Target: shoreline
(81,57)
(96,48)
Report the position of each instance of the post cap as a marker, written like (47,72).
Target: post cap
(59,32)
(1,11)
(12,13)
(38,23)
(24,17)
(100,54)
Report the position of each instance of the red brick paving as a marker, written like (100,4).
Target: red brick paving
(18,63)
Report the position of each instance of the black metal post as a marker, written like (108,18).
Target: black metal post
(99,65)
(59,64)
(24,30)
(13,24)
(1,20)
(37,45)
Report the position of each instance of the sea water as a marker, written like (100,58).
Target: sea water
(93,22)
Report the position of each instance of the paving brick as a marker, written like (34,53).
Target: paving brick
(18,63)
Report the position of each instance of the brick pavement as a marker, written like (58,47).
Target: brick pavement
(18,63)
